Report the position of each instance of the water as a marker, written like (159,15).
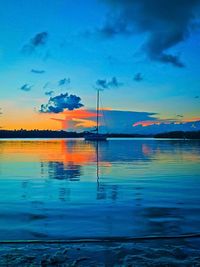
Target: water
(56,189)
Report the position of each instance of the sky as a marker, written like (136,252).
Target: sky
(143,55)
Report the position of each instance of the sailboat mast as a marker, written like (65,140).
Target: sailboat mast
(97,111)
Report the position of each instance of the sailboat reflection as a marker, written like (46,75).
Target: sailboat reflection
(115,188)
(97,153)
(104,190)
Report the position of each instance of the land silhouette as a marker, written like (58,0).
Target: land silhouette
(65,134)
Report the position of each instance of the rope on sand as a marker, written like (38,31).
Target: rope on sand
(100,239)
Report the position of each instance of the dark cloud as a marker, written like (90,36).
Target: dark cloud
(46,85)
(114,83)
(179,115)
(122,121)
(104,84)
(37,71)
(49,93)
(26,87)
(111,29)
(196,96)
(138,77)
(64,81)
(58,103)
(113,121)
(166,23)
(39,40)
(119,121)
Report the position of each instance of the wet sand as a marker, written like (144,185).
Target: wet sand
(147,253)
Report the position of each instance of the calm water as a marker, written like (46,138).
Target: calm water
(56,188)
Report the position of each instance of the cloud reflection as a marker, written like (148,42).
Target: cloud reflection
(148,186)
(61,171)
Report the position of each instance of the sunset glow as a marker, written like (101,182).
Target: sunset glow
(51,69)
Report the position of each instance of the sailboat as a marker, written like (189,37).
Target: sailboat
(96,136)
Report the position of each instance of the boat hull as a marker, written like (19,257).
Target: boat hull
(95,137)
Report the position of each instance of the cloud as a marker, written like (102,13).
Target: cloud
(179,115)
(84,123)
(61,102)
(49,93)
(196,96)
(64,81)
(72,118)
(114,83)
(116,121)
(37,71)
(39,40)
(104,84)
(112,29)
(26,87)
(138,77)
(165,126)
(119,121)
(146,123)
(165,23)
(46,85)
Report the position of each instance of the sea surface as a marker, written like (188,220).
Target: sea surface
(60,189)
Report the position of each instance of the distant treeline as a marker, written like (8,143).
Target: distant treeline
(63,134)
(52,134)
(38,134)
(179,134)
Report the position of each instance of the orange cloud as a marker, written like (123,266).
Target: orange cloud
(84,123)
(146,123)
(79,113)
(165,121)
(77,118)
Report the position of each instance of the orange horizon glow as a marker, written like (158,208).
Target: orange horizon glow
(45,152)
(191,119)
(30,119)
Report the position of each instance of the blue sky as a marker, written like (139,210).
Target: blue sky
(97,40)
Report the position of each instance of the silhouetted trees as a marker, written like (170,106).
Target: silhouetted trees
(63,134)
(38,134)
(179,134)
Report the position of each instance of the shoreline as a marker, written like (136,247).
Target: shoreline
(82,138)
(48,134)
